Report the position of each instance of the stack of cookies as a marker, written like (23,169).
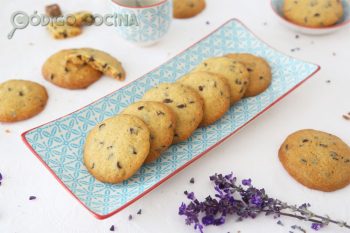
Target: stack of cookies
(170,112)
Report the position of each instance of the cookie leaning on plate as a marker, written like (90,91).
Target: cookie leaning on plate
(185,102)
(20,100)
(98,60)
(161,122)
(187,8)
(316,159)
(116,148)
(313,13)
(259,70)
(234,72)
(214,91)
(63,73)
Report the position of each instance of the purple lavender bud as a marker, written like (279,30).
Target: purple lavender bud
(0,176)
(182,209)
(219,221)
(199,226)
(229,176)
(112,228)
(256,200)
(32,198)
(316,226)
(208,220)
(190,196)
(247,182)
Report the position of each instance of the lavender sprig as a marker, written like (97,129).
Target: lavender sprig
(244,201)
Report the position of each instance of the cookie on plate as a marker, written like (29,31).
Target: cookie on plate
(313,13)
(185,102)
(234,72)
(98,60)
(215,93)
(116,148)
(61,30)
(316,159)
(161,122)
(187,8)
(63,73)
(21,99)
(259,70)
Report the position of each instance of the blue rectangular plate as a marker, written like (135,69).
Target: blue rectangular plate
(59,144)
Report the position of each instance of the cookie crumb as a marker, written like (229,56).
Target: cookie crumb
(328,81)
(297,36)
(295,49)
(130,217)
(346,117)
(334,54)
(192,180)
(207,23)
(265,23)
(7,131)
(139,212)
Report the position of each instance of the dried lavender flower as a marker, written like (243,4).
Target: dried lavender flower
(316,226)
(244,201)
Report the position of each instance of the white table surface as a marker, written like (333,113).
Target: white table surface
(252,152)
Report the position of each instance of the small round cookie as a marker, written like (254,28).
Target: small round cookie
(215,93)
(187,8)
(316,159)
(116,148)
(21,99)
(185,102)
(63,73)
(260,72)
(234,72)
(161,122)
(313,13)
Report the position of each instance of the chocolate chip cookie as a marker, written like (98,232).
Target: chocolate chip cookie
(316,159)
(161,122)
(185,102)
(21,99)
(116,148)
